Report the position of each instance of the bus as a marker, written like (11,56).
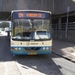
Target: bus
(31,32)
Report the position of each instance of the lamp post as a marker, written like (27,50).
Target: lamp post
(68,9)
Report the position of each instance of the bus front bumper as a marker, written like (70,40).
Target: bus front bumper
(31,52)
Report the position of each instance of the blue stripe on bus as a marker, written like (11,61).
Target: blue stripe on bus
(31,48)
(22,47)
(47,52)
(19,53)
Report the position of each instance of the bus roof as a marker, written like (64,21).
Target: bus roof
(31,10)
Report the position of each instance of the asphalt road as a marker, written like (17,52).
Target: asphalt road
(32,65)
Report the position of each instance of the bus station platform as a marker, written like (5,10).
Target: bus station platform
(65,49)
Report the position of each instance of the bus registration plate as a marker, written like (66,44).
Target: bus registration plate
(32,53)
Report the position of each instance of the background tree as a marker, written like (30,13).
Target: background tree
(4,24)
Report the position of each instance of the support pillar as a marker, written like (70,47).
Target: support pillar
(59,28)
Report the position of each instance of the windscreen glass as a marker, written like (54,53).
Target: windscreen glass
(31,29)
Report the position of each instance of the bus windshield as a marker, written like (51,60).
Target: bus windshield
(31,29)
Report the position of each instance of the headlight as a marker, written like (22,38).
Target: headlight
(16,48)
(43,48)
(19,48)
(47,48)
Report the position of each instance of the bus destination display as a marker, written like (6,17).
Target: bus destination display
(29,15)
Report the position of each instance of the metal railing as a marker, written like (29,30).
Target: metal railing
(64,31)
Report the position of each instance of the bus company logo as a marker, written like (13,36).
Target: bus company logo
(34,43)
(28,43)
(31,43)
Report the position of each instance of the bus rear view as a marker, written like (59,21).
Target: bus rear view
(31,32)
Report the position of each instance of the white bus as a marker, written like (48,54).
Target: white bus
(31,32)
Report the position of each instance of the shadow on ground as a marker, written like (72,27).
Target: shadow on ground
(5,54)
(40,64)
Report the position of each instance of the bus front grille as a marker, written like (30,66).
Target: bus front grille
(32,48)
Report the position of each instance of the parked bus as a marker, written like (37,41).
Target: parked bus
(31,32)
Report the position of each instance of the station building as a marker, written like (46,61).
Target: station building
(63,14)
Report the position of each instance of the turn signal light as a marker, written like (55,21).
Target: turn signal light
(12,48)
(50,48)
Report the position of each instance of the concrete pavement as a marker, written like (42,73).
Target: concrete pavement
(65,49)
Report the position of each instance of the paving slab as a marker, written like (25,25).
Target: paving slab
(64,48)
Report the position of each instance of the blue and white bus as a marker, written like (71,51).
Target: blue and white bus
(31,32)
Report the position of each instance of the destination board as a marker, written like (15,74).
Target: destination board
(30,15)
